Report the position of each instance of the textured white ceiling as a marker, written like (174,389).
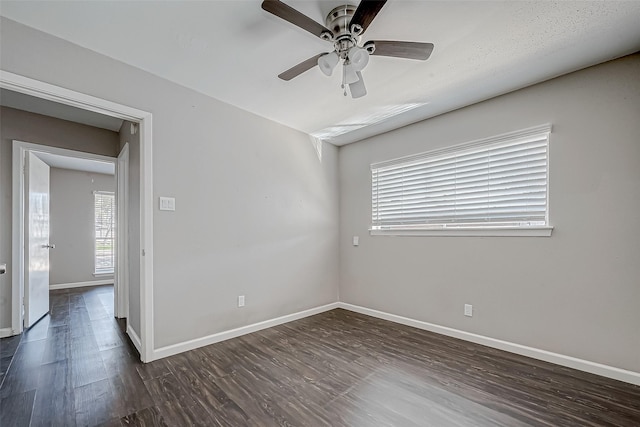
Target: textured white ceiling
(233,51)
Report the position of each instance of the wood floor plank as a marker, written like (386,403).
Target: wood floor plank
(86,367)
(155,369)
(178,413)
(38,331)
(96,403)
(9,345)
(148,417)
(16,409)
(204,389)
(129,388)
(115,422)
(24,370)
(167,388)
(254,399)
(107,338)
(55,400)
(119,359)
(57,345)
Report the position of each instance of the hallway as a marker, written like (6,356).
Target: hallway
(79,347)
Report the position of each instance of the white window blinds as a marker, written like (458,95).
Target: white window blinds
(497,182)
(105,211)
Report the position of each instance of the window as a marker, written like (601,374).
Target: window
(488,187)
(105,225)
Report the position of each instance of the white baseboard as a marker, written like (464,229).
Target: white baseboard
(81,284)
(6,332)
(170,350)
(535,353)
(135,339)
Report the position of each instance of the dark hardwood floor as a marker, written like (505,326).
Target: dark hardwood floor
(77,367)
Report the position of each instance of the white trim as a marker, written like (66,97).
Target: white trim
(39,89)
(121,288)
(469,232)
(6,332)
(535,353)
(170,350)
(146,239)
(80,284)
(65,96)
(135,339)
(17,240)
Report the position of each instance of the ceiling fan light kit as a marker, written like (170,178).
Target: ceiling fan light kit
(344,28)
(349,75)
(328,62)
(358,57)
(357,88)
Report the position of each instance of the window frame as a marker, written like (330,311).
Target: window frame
(467,230)
(96,271)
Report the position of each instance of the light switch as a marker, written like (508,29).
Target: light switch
(167,204)
(356,240)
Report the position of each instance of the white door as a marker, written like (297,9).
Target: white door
(36,292)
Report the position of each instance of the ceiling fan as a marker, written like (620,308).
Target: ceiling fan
(344,28)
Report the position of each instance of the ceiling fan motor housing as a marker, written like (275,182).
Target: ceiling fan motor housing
(344,37)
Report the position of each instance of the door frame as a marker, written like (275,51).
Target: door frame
(20,149)
(39,89)
(121,278)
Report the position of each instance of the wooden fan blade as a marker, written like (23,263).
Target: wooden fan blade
(409,50)
(300,68)
(366,12)
(291,15)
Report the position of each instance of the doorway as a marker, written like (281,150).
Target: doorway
(143,337)
(85,222)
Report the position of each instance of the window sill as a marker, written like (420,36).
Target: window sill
(470,232)
(103,274)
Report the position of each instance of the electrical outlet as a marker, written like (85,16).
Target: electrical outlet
(468,310)
(241,301)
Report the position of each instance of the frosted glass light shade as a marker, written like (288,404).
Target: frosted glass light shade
(358,89)
(359,58)
(350,75)
(328,62)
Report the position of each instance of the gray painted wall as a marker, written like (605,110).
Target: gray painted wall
(575,293)
(29,127)
(72,224)
(134,223)
(257,207)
